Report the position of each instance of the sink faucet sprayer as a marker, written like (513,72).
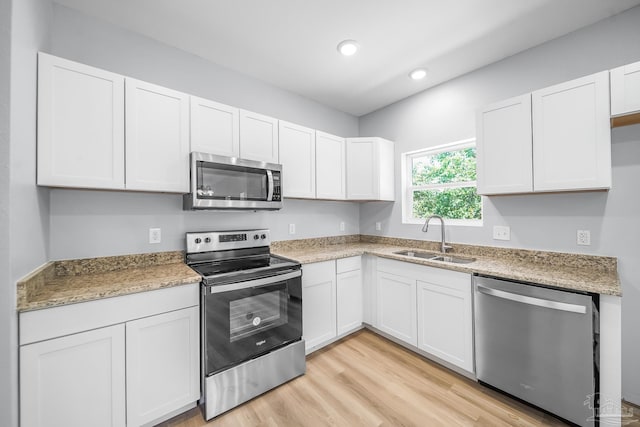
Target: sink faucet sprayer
(425,228)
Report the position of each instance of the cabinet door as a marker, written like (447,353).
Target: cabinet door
(396,314)
(504,151)
(330,166)
(163,364)
(349,301)
(215,128)
(318,303)
(157,131)
(625,89)
(80,125)
(258,137)
(297,146)
(572,135)
(445,322)
(76,380)
(362,170)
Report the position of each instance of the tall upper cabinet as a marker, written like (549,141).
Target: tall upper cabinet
(554,139)
(259,135)
(215,128)
(297,145)
(625,89)
(157,132)
(331,166)
(80,125)
(370,169)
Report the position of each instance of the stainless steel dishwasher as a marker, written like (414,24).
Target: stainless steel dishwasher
(539,345)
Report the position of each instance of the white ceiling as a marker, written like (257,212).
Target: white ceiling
(292,43)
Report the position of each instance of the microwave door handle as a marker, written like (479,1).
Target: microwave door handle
(554,305)
(269,186)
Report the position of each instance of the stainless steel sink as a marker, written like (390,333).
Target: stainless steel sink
(435,257)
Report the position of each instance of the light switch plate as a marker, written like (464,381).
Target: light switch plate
(378,226)
(501,232)
(292,229)
(583,237)
(341,225)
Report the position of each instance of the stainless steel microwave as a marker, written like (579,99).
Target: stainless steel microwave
(219,182)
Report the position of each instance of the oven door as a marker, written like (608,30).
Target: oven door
(246,319)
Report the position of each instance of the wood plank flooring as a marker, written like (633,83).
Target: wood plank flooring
(367,380)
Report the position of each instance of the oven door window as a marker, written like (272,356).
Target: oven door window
(246,323)
(225,182)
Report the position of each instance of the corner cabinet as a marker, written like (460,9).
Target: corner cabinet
(297,147)
(157,133)
(258,137)
(215,128)
(370,169)
(130,360)
(80,125)
(331,166)
(554,139)
(625,89)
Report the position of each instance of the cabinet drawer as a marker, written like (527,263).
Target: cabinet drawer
(348,264)
(39,325)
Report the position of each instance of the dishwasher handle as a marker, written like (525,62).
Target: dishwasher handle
(554,305)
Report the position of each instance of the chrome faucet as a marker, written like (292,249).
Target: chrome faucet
(425,228)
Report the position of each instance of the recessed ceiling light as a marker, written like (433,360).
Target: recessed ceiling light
(418,74)
(348,47)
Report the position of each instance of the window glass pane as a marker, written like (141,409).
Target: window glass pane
(450,166)
(450,203)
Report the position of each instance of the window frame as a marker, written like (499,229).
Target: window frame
(408,188)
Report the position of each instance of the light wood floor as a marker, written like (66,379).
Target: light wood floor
(366,380)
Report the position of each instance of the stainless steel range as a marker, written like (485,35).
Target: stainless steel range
(251,314)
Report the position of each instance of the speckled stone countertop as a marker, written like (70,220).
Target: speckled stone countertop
(66,282)
(596,274)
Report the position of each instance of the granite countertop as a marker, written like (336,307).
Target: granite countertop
(66,282)
(588,273)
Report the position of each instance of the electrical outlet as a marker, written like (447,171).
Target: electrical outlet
(341,225)
(583,237)
(155,235)
(501,232)
(378,226)
(292,229)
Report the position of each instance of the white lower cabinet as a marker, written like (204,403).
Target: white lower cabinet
(318,303)
(74,380)
(331,300)
(445,320)
(136,365)
(163,364)
(428,308)
(397,306)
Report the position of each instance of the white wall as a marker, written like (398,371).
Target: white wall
(548,222)
(29,206)
(87,223)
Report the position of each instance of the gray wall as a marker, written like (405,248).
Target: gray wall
(85,223)
(549,222)
(28,210)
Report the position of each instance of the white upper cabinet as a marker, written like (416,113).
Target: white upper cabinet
(80,125)
(258,137)
(625,89)
(297,148)
(572,135)
(215,128)
(157,135)
(330,166)
(370,169)
(504,144)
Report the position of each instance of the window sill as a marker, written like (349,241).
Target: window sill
(447,222)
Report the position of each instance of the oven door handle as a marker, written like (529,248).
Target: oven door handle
(256,283)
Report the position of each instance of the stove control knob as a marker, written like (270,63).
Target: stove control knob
(207,239)
(256,237)
(198,240)
(264,236)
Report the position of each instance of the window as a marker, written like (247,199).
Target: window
(442,181)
